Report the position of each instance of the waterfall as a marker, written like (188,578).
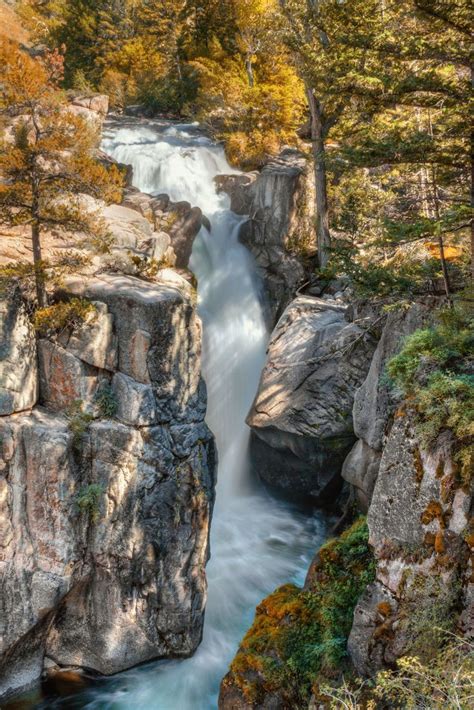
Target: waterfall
(257,543)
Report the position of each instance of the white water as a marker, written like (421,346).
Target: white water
(257,543)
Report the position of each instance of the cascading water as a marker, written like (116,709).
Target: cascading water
(257,543)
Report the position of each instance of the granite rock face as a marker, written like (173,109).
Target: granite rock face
(301,420)
(18,368)
(104,528)
(179,220)
(374,402)
(419,523)
(279,201)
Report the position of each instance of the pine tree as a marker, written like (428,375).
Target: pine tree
(50,159)
(331,46)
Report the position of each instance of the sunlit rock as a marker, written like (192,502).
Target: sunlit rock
(302,416)
(135,402)
(18,368)
(95,341)
(104,518)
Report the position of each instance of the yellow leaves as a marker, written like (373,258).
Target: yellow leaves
(22,79)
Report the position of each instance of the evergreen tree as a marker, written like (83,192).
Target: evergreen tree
(50,159)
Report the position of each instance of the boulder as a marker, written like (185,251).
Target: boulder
(301,418)
(18,368)
(97,103)
(126,226)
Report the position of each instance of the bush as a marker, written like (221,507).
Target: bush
(435,371)
(79,421)
(446,681)
(106,401)
(66,314)
(300,636)
(88,501)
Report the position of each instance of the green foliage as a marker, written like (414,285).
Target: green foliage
(88,501)
(79,421)
(300,636)
(106,401)
(435,371)
(445,681)
(65,314)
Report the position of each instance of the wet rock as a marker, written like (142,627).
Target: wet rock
(302,416)
(18,368)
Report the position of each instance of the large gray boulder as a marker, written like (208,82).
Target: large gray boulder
(301,419)
(280,232)
(104,522)
(18,368)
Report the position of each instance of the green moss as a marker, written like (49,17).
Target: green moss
(434,371)
(299,637)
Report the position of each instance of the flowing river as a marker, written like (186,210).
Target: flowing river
(257,542)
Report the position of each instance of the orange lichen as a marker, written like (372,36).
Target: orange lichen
(384,609)
(433,511)
(439,543)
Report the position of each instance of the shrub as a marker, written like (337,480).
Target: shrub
(446,681)
(79,421)
(106,401)
(299,636)
(88,501)
(435,370)
(66,314)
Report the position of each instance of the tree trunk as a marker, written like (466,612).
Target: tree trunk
(444,267)
(319,156)
(37,256)
(249,70)
(472,186)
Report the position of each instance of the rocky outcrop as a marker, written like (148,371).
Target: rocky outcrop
(280,231)
(375,401)
(301,419)
(105,503)
(419,523)
(178,220)
(18,368)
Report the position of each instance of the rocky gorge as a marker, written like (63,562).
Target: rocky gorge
(109,464)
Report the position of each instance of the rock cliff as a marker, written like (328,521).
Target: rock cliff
(419,522)
(280,231)
(106,485)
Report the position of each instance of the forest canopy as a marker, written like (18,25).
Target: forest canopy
(378,92)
